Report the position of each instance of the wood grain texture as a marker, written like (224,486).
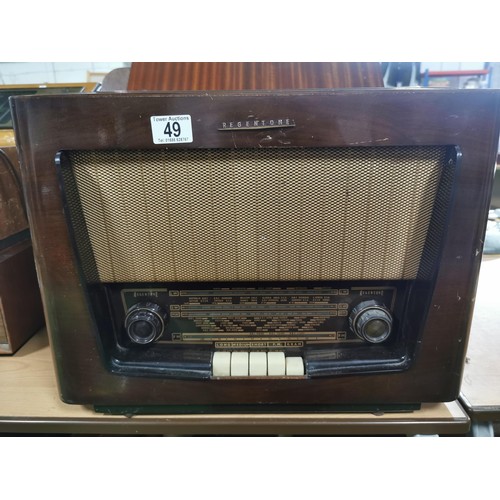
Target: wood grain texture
(12,211)
(21,305)
(252,75)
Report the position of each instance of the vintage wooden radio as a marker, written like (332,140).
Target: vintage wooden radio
(301,248)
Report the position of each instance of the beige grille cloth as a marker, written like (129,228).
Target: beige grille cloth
(264,215)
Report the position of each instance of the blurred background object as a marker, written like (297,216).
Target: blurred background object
(252,75)
(12,73)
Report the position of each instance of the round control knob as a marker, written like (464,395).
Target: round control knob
(371,321)
(145,322)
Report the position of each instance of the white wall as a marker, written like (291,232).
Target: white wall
(58,72)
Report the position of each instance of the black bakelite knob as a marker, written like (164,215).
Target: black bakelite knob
(371,321)
(145,322)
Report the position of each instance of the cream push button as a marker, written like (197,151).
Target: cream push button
(221,364)
(258,364)
(276,364)
(294,366)
(239,364)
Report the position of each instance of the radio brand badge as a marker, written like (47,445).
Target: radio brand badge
(256,124)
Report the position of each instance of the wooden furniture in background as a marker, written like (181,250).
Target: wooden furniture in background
(21,313)
(252,75)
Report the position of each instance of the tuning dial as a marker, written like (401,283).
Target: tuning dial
(145,322)
(371,321)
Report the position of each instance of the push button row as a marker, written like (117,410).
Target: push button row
(256,364)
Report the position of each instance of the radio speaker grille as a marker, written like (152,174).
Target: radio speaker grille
(253,214)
